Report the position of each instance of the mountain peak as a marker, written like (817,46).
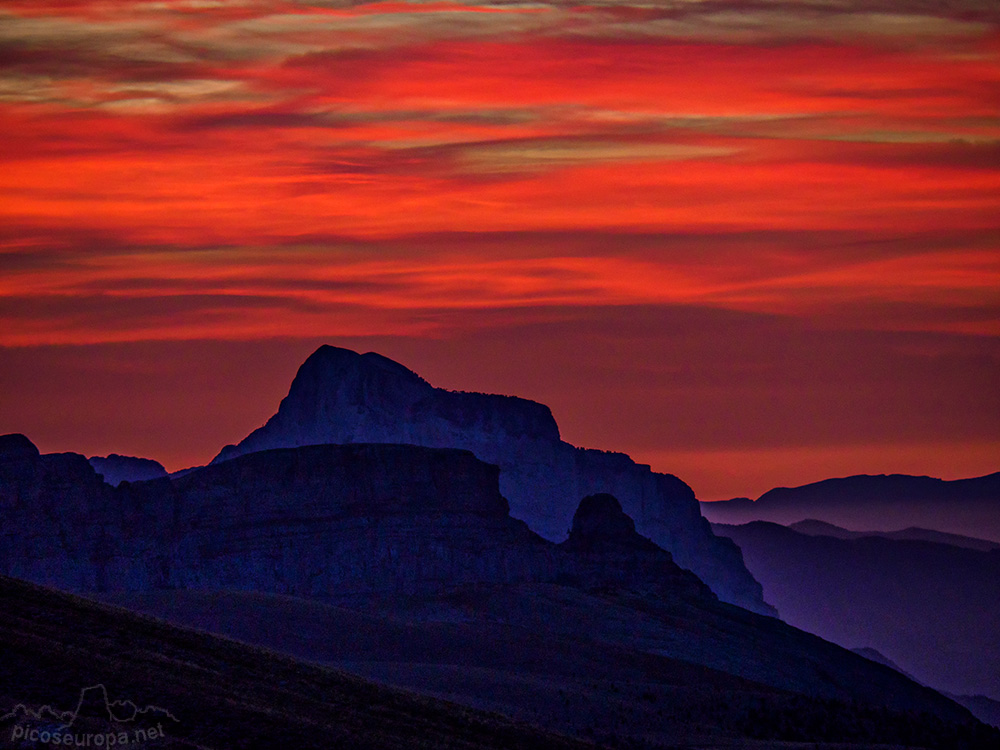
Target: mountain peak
(17,446)
(600,521)
(601,514)
(116,468)
(333,361)
(339,396)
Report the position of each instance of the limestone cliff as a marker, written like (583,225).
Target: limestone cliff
(333,522)
(339,396)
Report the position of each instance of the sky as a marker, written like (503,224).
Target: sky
(753,244)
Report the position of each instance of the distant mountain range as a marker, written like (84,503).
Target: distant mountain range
(339,396)
(930,608)
(967,507)
(812,527)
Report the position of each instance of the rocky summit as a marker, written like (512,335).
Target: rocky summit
(117,469)
(341,397)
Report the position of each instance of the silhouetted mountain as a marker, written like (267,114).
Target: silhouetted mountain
(931,608)
(328,521)
(117,469)
(423,535)
(812,527)
(341,397)
(608,553)
(969,507)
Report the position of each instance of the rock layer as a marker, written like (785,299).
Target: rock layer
(331,522)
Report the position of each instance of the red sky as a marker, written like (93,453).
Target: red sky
(752,244)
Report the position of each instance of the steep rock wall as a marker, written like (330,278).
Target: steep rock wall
(339,396)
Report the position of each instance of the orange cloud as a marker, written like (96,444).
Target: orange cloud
(228,169)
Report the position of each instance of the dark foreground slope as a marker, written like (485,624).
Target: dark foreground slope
(207,692)
(339,396)
(931,608)
(586,680)
(969,507)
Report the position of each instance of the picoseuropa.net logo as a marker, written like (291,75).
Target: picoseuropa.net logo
(95,722)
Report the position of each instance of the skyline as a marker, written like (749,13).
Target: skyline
(751,244)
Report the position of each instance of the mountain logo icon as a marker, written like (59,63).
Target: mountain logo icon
(93,703)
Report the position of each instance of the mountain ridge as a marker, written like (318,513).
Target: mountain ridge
(334,522)
(877,502)
(813,527)
(930,608)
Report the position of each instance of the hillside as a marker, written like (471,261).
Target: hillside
(931,608)
(210,692)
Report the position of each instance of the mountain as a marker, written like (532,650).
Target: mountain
(931,608)
(968,507)
(405,558)
(117,469)
(812,527)
(340,397)
(985,709)
(336,522)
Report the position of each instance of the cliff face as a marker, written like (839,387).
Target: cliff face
(52,518)
(339,396)
(332,522)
